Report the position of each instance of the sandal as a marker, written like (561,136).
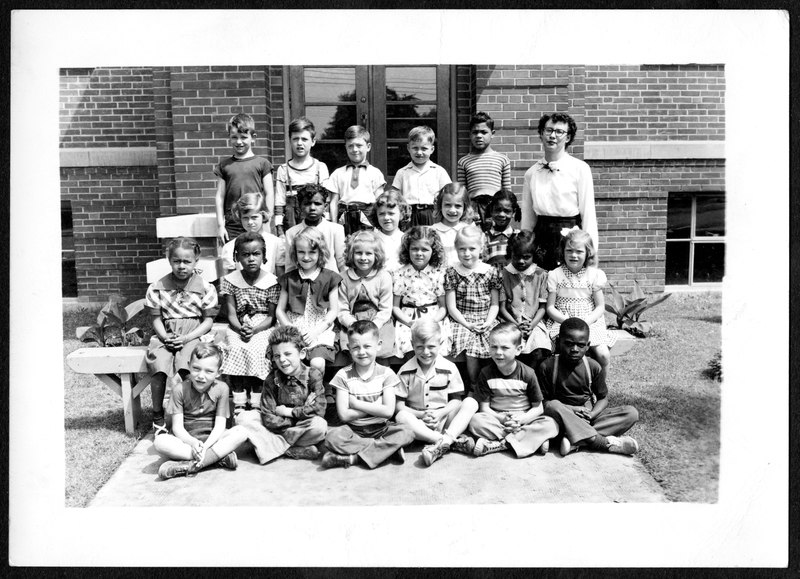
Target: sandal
(159,429)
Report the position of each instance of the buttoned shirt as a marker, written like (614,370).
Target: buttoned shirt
(375,287)
(496,245)
(428,390)
(369,389)
(197,299)
(303,393)
(420,185)
(370,184)
(562,188)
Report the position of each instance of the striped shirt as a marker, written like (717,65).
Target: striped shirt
(198,299)
(484,174)
(367,390)
(516,392)
(428,391)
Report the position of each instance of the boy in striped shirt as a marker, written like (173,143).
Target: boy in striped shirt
(510,401)
(483,171)
(365,402)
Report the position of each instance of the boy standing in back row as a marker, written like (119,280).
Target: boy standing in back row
(420,181)
(483,171)
(355,186)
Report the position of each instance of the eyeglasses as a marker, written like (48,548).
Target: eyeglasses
(559,132)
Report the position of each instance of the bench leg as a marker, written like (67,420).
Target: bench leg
(130,403)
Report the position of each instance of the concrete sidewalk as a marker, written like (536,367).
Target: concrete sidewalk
(500,478)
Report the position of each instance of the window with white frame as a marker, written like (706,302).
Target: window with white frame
(695,238)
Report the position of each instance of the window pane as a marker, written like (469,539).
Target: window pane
(69,278)
(677,264)
(709,262)
(710,220)
(411,83)
(332,154)
(332,122)
(679,216)
(402,118)
(329,84)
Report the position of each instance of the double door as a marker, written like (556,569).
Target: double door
(387,100)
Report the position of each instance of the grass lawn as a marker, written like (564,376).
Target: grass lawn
(662,376)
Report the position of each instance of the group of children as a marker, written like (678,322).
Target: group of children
(424,270)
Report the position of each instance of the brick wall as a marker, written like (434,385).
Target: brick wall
(113,211)
(106,107)
(657,102)
(203,99)
(631,200)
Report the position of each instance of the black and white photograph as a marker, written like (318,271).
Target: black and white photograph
(408,280)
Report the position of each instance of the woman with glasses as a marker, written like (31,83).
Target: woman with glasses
(557,192)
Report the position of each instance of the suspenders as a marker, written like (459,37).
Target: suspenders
(289,175)
(585,365)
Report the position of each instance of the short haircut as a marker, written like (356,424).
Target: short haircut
(301,124)
(421,133)
(571,324)
(579,236)
(367,237)
(505,195)
(425,328)
(456,190)
(362,328)
(250,202)
(470,232)
(356,132)
(308,191)
(287,335)
(507,329)
(243,123)
(523,242)
(249,237)
(429,234)
(315,240)
(481,117)
(560,118)
(183,243)
(207,350)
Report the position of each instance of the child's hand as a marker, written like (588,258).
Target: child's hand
(429,419)
(283,410)
(581,412)
(470,326)
(222,234)
(307,338)
(524,326)
(198,451)
(246,332)
(480,327)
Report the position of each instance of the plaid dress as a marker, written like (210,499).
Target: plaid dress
(473,289)
(574,298)
(252,303)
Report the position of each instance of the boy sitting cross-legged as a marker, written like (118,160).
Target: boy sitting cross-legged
(365,402)
(510,401)
(429,396)
(571,382)
(292,399)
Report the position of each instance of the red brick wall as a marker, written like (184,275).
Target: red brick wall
(106,107)
(655,102)
(114,212)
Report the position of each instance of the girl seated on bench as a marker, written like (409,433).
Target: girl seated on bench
(182,306)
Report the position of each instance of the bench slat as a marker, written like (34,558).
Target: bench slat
(123,359)
(194,225)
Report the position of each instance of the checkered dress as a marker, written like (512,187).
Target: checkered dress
(252,302)
(574,299)
(473,298)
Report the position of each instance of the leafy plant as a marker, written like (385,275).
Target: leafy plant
(714,369)
(112,328)
(628,309)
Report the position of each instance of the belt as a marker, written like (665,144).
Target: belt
(546,219)
(356,206)
(421,206)
(423,309)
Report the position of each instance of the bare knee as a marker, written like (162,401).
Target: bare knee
(602,355)
(404,417)
(319,364)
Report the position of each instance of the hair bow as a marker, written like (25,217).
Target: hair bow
(546,165)
(566,230)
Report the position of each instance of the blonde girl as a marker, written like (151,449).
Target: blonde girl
(575,289)
(472,294)
(366,289)
(453,212)
(419,288)
(389,210)
(182,306)
(309,297)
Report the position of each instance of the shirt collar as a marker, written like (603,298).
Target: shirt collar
(194,284)
(482,267)
(302,377)
(364,164)
(529,271)
(440,226)
(263,281)
(310,276)
(355,277)
(508,231)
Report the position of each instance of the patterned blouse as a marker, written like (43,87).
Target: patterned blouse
(418,288)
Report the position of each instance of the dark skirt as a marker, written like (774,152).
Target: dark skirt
(548,238)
